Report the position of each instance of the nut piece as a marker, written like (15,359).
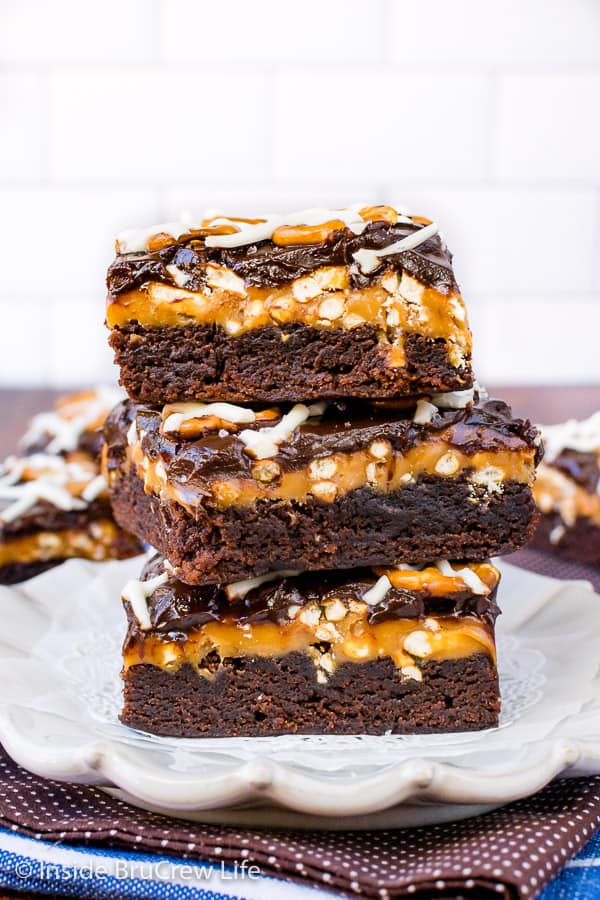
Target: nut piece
(447,464)
(411,672)
(48,541)
(305,289)
(490,477)
(380,449)
(353,321)
(266,470)
(458,309)
(324,490)
(332,278)
(282,309)
(326,662)
(327,632)
(309,616)
(390,282)
(393,318)
(374,472)
(232,327)
(331,309)
(417,644)
(335,610)
(180,277)
(323,468)
(224,278)
(411,289)
(255,309)
(356,649)
(431,625)
(224,493)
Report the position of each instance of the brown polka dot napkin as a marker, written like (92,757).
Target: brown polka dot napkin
(511,852)
(546,564)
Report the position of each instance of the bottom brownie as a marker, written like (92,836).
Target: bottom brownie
(256,696)
(579,542)
(361,651)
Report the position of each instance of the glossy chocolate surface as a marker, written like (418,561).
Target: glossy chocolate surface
(583,468)
(266,264)
(176,608)
(344,428)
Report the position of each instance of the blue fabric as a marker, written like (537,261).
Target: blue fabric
(46,868)
(36,866)
(75,870)
(580,878)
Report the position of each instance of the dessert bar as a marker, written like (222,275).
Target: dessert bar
(53,500)
(357,302)
(227,492)
(567,490)
(392,650)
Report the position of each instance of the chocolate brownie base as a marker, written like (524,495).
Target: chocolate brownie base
(434,518)
(294,362)
(579,542)
(14,573)
(257,696)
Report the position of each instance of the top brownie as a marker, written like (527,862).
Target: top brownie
(357,302)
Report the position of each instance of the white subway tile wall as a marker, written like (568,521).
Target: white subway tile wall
(485,116)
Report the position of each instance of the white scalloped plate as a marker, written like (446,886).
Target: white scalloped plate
(59,671)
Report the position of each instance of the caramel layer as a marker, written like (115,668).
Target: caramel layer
(94,542)
(354,639)
(323,299)
(329,477)
(556,492)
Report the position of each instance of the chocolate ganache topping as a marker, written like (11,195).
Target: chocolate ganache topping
(583,468)
(176,608)
(343,428)
(265,264)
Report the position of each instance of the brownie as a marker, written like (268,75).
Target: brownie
(567,491)
(357,652)
(53,501)
(228,492)
(54,508)
(317,304)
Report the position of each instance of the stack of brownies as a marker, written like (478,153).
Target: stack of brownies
(304,448)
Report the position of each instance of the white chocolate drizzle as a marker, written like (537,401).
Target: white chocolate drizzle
(174,414)
(264,443)
(454,399)
(239,589)
(135,240)
(65,431)
(466,575)
(51,485)
(378,592)
(582,436)
(94,488)
(137,592)
(369,260)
